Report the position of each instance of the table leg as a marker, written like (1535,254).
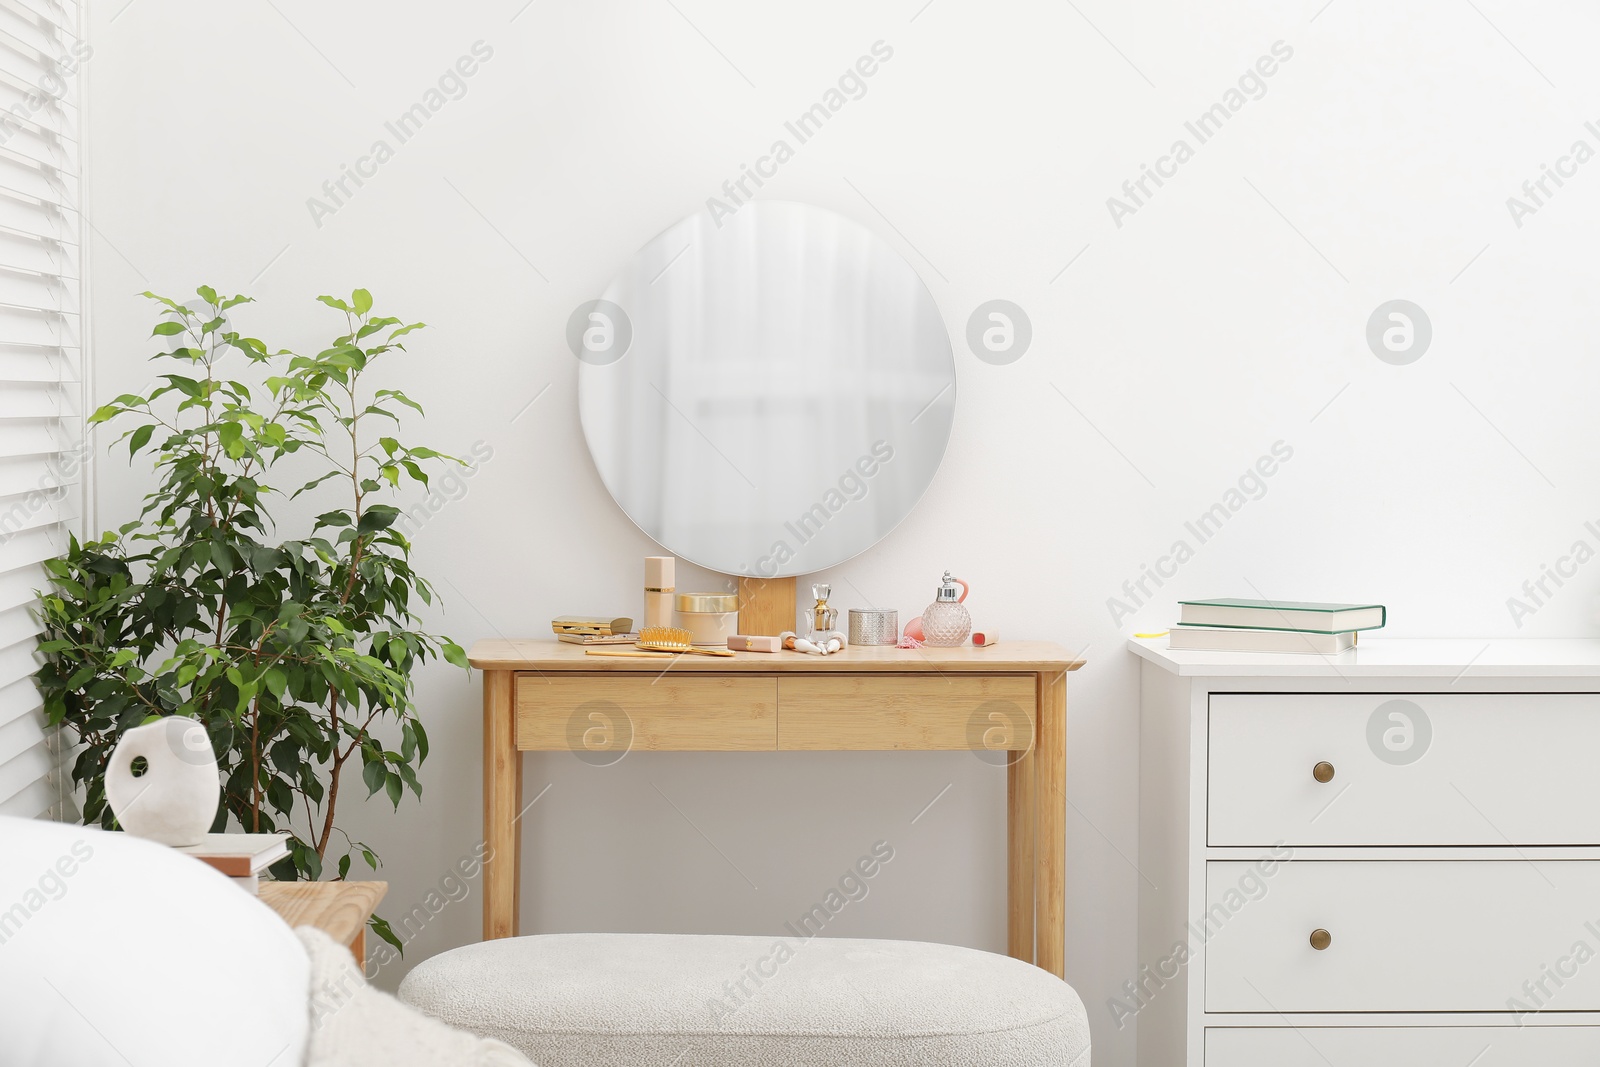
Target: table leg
(502,802)
(1050,786)
(1020,806)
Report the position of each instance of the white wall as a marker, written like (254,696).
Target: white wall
(1225,315)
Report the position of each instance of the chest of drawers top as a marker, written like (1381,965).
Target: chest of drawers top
(1453,660)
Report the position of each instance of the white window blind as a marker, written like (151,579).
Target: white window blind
(41,358)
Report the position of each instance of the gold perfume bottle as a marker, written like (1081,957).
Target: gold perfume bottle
(823,618)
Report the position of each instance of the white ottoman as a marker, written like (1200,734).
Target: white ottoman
(690,1000)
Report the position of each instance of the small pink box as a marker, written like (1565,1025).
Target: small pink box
(756,643)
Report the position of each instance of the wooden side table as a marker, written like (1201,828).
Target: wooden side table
(1008,703)
(338,909)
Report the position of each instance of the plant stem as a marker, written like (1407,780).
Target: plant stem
(333,779)
(255,765)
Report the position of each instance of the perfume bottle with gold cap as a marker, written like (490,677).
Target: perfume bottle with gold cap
(823,618)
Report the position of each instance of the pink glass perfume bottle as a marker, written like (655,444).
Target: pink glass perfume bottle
(946,622)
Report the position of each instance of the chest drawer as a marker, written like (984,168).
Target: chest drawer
(1403,1046)
(1420,936)
(604,716)
(1404,769)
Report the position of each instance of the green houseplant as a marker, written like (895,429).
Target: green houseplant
(292,652)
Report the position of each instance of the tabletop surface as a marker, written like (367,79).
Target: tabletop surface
(1463,658)
(548,654)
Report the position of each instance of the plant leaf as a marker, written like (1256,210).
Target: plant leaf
(139,438)
(381,927)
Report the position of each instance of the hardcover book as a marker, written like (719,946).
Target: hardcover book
(1234,639)
(1304,616)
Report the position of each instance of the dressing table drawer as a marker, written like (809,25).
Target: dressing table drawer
(604,713)
(1402,935)
(1489,769)
(925,711)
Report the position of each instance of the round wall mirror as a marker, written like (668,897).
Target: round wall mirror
(785,395)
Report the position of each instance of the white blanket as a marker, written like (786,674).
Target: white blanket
(354,1025)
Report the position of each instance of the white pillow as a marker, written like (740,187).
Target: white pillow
(116,950)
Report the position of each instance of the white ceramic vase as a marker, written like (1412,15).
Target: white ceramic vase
(175,800)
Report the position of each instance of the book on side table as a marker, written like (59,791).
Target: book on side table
(1306,627)
(1225,639)
(1301,615)
(242,857)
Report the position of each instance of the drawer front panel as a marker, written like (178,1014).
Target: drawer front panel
(1407,769)
(603,716)
(1419,936)
(924,711)
(1404,1046)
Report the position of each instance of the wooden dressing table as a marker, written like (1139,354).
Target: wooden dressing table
(546,695)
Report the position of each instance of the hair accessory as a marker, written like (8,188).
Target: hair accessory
(985,638)
(672,639)
(659,642)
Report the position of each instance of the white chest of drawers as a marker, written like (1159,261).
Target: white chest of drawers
(1385,858)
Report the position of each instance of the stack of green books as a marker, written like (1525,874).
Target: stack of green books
(1229,625)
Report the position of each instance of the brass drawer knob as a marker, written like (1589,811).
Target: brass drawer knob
(1323,772)
(1321,939)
